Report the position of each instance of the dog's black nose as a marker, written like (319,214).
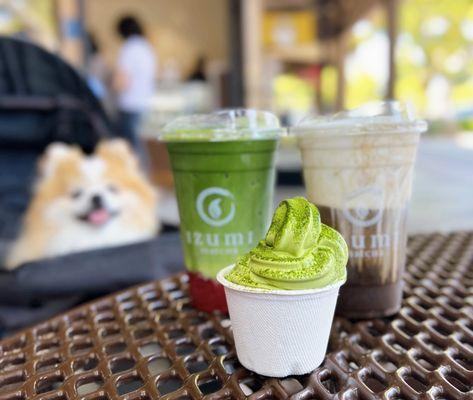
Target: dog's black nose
(97,201)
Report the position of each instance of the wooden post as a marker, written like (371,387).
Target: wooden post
(391,9)
(340,66)
(252,51)
(236,91)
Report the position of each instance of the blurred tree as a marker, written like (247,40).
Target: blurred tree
(435,45)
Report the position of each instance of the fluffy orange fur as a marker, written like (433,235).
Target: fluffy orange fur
(60,169)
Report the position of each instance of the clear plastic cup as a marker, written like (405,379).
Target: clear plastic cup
(223,168)
(358,170)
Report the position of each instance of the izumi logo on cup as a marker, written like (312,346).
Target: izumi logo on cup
(216,206)
(356,211)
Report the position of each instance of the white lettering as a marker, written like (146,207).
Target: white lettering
(233,239)
(380,241)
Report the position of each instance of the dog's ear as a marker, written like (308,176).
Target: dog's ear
(117,151)
(56,153)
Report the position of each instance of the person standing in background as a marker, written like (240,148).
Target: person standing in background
(134,78)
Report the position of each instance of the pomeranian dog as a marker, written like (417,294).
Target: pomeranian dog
(86,202)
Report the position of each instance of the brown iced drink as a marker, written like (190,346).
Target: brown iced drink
(358,169)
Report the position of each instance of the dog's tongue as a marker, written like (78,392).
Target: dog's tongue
(98,217)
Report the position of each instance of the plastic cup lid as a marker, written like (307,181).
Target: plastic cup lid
(371,118)
(225,125)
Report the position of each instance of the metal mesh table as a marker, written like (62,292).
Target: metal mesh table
(148,342)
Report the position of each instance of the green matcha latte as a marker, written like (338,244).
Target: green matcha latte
(299,252)
(223,168)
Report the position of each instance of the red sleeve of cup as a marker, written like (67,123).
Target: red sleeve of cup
(207,294)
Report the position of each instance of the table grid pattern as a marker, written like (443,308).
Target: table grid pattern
(147,342)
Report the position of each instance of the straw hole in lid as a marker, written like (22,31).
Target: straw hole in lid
(149,349)
(169,384)
(85,364)
(158,365)
(48,384)
(142,333)
(12,382)
(459,382)
(464,361)
(209,384)
(48,364)
(89,384)
(129,384)
(81,347)
(250,384)
(387,364)
(9,364)
(114,348)
(121,364)
(330,382)
(416,382)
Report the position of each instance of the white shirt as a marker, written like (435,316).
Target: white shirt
(138,61)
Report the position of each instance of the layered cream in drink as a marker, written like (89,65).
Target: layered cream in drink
(358,170)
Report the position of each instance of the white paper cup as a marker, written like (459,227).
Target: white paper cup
(280,332)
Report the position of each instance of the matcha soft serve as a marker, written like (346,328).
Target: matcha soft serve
(298,252)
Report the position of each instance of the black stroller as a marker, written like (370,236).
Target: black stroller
(42,100)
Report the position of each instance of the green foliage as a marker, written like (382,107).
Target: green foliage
(432,42)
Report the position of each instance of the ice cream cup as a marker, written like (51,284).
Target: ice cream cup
(280,332)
